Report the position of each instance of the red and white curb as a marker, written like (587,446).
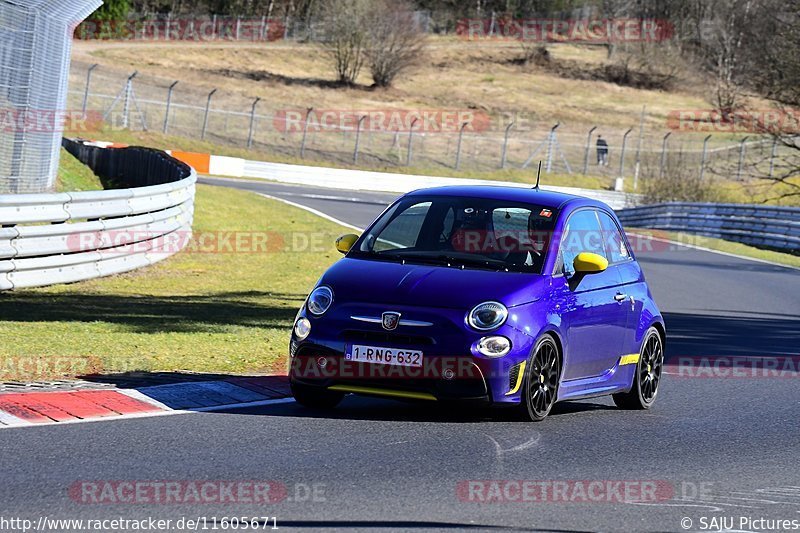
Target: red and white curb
(21,409)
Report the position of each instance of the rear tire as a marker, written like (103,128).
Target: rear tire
(315,397)
(542,376)
(648,375)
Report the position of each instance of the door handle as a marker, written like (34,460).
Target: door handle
(621,297)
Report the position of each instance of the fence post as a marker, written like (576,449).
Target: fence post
(772,156)
(703,157)
(305,133)
(126,107)
(252,124)
(358,138)
(550,142)
(238,27)
(622,153)
(169,106)
(741,158)
(88,82)
(663,155)
(213,27)
(410,142)
(588,148)
(505,145)
(205,117)
(639,150)
(460,141)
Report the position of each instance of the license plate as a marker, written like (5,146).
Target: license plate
(386,356)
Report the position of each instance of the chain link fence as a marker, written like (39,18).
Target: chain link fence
(35,48)
(145,102)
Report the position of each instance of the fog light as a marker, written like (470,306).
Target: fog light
(495,346)
(448,374)
(322,362)
(302,328)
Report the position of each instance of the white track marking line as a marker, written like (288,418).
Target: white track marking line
(312,211)
(290,186)
(704,249)
(155,414)
(136,395)
(9,420)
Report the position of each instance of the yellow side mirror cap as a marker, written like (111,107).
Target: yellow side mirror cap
(345,242)
(589,263)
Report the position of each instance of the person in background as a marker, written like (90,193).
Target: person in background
(602,151)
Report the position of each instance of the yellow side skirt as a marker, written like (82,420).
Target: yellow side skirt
(631,359)
(383,392)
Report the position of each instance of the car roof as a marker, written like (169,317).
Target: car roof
(539,197)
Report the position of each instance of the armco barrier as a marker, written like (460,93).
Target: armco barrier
(129,228)
(766,226)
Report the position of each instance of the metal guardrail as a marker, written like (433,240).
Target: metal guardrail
(47,239)
(765,226)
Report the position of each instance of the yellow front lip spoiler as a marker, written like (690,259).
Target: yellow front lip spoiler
(384,392)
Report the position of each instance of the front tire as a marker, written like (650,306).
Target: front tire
(315,397)
(648,375)
(542,376)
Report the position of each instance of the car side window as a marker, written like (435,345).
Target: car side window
(616,249)
(582,234)
(403,231)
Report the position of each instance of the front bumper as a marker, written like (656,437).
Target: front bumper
(317,366)
(452,368)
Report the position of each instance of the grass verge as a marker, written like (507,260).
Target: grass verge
(75,176)
(227,312)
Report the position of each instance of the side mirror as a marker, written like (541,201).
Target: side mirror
(589,263)
(345,242)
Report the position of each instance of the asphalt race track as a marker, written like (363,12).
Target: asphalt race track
(717,443)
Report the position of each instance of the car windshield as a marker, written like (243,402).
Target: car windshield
(463,233)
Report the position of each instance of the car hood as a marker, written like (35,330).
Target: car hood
(362,280)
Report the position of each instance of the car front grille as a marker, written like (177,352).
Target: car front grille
(352,335)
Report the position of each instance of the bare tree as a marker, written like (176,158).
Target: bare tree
(345,36)
(775,69)
(395,42)
(725,46)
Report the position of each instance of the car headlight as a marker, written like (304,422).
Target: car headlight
(320,300)
(302,328)
(494,346)
(488,315)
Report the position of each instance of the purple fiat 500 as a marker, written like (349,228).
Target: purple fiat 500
(502,295)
